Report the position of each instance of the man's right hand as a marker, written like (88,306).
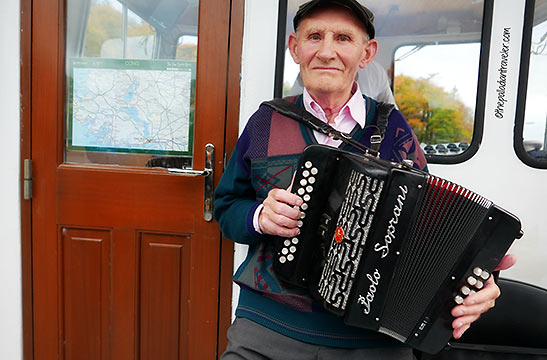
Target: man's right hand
(279,216)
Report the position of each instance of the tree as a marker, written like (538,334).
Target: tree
(435,115)
(105,22)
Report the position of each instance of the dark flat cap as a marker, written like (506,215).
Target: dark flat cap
(365,15)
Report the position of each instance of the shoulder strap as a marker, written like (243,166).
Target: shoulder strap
(299,113)
(383,111)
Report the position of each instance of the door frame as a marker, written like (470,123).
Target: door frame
(231,135)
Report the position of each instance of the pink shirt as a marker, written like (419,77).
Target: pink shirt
(354,112)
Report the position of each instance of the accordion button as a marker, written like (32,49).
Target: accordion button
(292,249)
(485,275)
(479,285)
(458,299)
(290,257)
(465,290)
(303,182)
(308,164)
(287,242)
(471,281)
(282,259)
(477,271)
(307,197)
(295,241)
(301,191)
(311,180)
(285,251)
(309,188)
(314,171)
(299,223)
(305,173)
(302,215)
(304,206)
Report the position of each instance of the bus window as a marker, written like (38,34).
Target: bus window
(131,73)
(419,43)
(438,102)
(531,127)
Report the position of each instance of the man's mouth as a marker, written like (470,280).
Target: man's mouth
(324,68)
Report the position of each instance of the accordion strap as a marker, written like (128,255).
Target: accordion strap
(299,113)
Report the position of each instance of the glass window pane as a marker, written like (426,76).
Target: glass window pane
(131,67)
(437,102)
(417,44)
(535,116)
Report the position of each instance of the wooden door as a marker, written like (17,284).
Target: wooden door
(124,266)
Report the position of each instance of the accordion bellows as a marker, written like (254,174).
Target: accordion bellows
(390,248)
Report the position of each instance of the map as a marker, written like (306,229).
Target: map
(143,106)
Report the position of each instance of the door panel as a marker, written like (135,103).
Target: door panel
(165,269)
(85,260)
(124,264)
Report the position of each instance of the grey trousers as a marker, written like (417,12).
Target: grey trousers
(250,341)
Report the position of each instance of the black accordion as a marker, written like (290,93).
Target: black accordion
(388,247)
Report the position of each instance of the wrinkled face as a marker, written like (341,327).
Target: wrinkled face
(330,45)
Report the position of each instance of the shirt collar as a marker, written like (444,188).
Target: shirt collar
(355,108)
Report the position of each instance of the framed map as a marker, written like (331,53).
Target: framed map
(134,106)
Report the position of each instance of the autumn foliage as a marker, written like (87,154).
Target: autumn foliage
(435,115)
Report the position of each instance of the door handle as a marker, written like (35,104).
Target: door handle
(208,174)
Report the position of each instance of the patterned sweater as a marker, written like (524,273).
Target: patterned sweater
(265,157)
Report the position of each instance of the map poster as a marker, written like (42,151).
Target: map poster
(132,106)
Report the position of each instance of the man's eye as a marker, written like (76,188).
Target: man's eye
(344,38)
(315,37)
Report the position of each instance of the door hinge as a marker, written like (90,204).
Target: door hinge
(27,179)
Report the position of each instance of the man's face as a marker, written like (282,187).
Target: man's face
(330,45)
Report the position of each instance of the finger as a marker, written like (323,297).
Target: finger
(490,292)
(275,224)
(458,332)
(464,320)
(285,196)
(292,182)
(506,262)
(281,213)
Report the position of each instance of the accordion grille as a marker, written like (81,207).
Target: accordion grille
(347,246)
(448,218)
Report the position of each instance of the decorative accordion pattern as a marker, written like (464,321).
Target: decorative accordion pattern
(348,243)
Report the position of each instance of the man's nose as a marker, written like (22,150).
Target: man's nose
(326,50)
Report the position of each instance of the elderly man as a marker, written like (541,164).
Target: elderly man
(333,40)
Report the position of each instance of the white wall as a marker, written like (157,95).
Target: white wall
(10,251)
(495,172)
(257,76)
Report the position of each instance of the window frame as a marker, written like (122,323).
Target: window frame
(518,139)
(478,125)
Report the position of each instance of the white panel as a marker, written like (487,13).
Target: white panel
(10,256)
(257,77)
(495,171)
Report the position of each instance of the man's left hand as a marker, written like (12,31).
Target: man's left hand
(477,304)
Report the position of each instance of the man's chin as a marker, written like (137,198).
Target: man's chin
(323,87)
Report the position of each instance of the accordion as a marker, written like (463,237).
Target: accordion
(388,247)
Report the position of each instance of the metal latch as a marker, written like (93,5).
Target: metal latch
(208,174)
(27,179)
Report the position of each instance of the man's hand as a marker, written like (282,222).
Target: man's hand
(279,216)
(477,304)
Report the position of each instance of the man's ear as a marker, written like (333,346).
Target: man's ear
(369,52)
(293,48)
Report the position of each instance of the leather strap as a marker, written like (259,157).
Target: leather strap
(300,114)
